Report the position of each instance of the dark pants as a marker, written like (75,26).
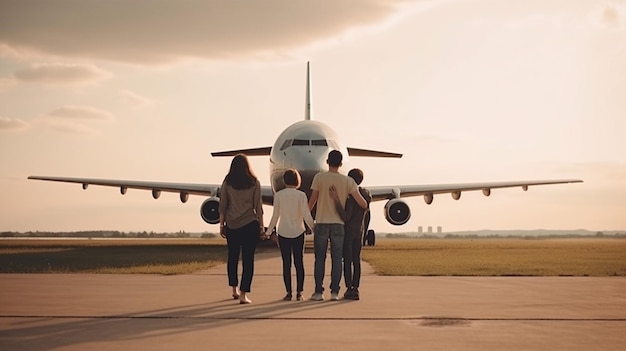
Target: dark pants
(352,258)
(292,247)
(242,240)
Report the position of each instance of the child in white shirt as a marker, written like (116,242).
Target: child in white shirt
(291,208)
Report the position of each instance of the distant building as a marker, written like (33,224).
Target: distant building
(439,230)
(430,229)
(419,230)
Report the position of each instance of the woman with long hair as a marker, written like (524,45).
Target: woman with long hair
(241,223)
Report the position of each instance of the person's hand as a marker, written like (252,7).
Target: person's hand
(333,192)
(222,232)
(274,238)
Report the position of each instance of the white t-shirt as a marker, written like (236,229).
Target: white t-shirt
(326,212)
(291,207)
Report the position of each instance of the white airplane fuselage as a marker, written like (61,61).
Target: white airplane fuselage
(303,146)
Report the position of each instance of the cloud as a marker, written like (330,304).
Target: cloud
(7,51)
(6,84)
(80,112)
(74,119)
(156,31)
(135,99)
(611,16)
(67,119)
(61,74)
(69,127)
(13,124)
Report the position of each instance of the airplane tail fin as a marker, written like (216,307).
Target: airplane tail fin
(266,151)
(351,150)
(307,107)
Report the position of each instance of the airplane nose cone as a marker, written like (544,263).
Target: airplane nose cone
(310,159)
(309,166)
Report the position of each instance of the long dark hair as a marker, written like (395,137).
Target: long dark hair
(240,175)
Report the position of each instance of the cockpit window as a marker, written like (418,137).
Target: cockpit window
(300,142)
(306,142)
(286,144)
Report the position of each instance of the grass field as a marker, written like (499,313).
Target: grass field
(440,257)
(170,256)
(499,257)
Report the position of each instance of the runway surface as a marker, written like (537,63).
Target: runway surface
(196,312)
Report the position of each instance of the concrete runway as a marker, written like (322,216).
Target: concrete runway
(196,312)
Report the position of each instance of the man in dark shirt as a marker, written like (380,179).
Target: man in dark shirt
(353,216)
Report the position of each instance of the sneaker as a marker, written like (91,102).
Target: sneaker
(299,297)
(348,294)
(334,296)
(352,294)
(317,297)
(287,297)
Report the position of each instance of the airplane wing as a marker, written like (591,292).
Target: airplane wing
(265,151)
(371,153)
(258,151)
(184,189)
(392,192)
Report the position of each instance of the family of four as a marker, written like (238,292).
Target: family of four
(341,208)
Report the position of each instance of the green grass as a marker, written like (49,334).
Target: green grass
(110,256)
(398,257)
(498,257)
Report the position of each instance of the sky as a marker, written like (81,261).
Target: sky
(467,90)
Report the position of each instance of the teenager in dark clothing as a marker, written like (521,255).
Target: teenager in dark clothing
(241,223)
(353,216)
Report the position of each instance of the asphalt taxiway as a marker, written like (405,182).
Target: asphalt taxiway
(196,312)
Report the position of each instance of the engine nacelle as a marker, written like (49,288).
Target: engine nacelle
(397,212)
(210,210)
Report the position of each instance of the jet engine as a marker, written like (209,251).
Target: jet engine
(210,210)
(397,212)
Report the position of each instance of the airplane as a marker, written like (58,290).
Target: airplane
(304,146)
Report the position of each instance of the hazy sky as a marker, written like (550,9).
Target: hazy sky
(469,91)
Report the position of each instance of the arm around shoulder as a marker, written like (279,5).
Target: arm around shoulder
(339,206)
(356,194)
